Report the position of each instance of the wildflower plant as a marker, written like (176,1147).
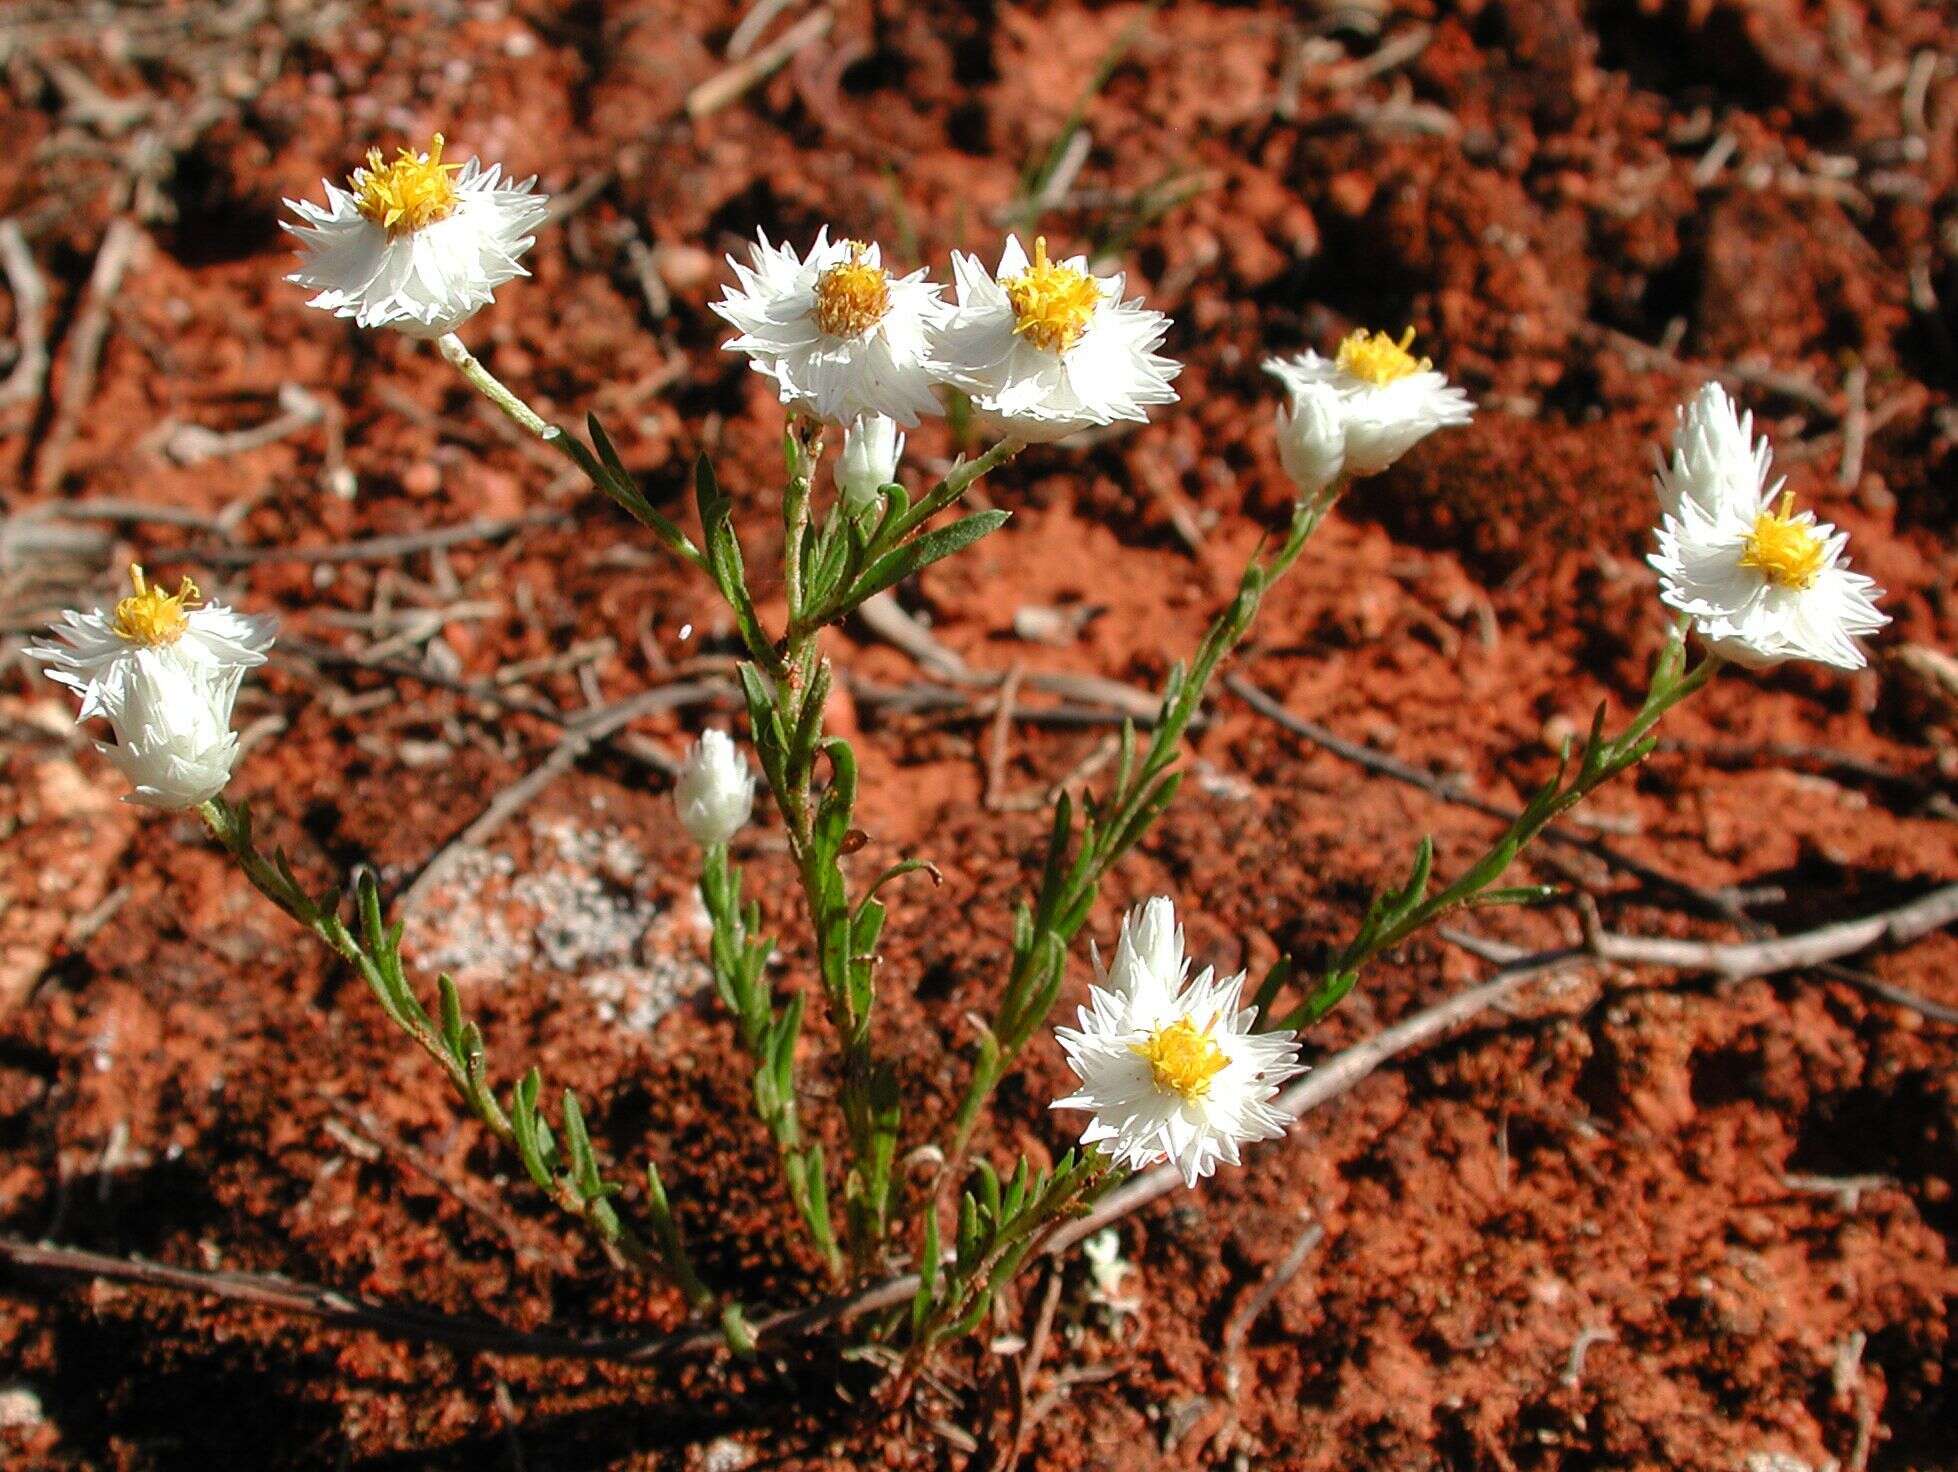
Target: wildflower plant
(1169,1067)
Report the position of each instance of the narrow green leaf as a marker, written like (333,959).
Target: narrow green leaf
(913,557)
(584,1164)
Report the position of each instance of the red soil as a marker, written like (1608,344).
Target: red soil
(1539,188)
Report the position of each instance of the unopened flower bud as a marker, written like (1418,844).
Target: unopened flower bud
(872,448)
(1312,438)
(716,792)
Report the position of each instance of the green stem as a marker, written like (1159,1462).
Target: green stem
(457,1046)
(491,387)
(603,469)
(1399,914)
(740,963)
(1043,932)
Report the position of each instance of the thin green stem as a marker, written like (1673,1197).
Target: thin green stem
(491,387)
(740,976)
(1043,931)
(1400,913)
(457,1046)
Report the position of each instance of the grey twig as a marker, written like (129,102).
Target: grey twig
(1733,960)
(29,374)
(724,87)
(379,549)
(1261,1298)
(85,341)
(1707,900)
(582,732)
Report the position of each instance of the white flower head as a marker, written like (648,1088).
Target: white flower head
(1169,1067)
(1311,437)
(417,245)
(872,448)
(839,334)
(1044,348)
(173,729)
(1762,582)
(1716,461)
(1389,400)
(715,793)
(92,653)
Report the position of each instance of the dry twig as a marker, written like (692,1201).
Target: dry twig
(1706,900)
(378,549)
(718,91)
(85,341)
(29,374)
(581,734)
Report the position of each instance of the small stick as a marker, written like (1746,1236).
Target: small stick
(719,90)
(1855,425)
(1261,1299)
(1387,766)
(1000,744)
(187,444)
(389,1141)
(581,733)
(1736,960)
(379,549)
(1022,1379)
(113,508)
(30,292)
(749,29)
(1573,1374)
(91,330)
(1848,1190)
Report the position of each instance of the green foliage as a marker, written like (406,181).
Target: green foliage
(831,565)
(999,1225)
(570,1174)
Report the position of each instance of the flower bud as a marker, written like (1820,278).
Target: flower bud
(173,729)
(716,792)
(871,449)
(1312,438)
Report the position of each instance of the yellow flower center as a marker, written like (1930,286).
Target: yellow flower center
(1052,304)
(151,617)
(1375,358)
(852,296)
(1182,1057)
(413,191)
(1786,552)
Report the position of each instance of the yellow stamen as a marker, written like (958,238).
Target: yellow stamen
(151,617)
(852,296)
(1786,552)
(1377,359)
(413,191)
(1052,304)
(1182,1057)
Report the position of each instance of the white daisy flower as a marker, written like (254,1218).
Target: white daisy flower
(1044,348)
(715,793)
(93,652)
(1170,1067)
(173,729)
(417,245)
(1761,582)
(1389,400)
(872,448)
(1311,437)
(839,334)
(1716,461)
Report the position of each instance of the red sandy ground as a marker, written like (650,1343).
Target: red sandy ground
(1538,188)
